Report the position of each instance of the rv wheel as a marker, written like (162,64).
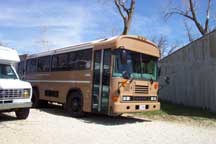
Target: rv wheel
(22,113)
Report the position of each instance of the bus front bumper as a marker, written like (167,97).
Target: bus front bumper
(135,107)
(11,106)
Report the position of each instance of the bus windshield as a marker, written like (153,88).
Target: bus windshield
(139,66)
(6,72)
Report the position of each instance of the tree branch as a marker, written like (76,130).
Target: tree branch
(119,9)
(126,13)
(199,26)
(173,48)
(178,12)
(132,6)
(188,30)
(191,14)
(207,16)
(124,7)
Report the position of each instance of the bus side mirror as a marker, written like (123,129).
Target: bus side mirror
(125,75)
(123,57)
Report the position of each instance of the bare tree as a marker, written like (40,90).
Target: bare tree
(191,13)
(188,31)
(214,20)
(173,48)
(125,12)
(162,43)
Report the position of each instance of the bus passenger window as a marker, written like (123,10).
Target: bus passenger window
(83,59)
(60,62)
(80,60)
(31,65)
(44,64)
(72,61)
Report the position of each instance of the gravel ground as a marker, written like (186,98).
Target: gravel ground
(52,126)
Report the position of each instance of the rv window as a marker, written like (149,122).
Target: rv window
(6,72)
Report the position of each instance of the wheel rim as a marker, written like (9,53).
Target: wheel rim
(76,105)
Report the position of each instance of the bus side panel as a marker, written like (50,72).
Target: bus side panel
(55,86)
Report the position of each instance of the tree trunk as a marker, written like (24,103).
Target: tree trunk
(126,14)
(126,27)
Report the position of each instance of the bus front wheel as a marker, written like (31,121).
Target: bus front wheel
(74,104)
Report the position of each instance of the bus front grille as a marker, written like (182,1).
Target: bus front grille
(126,98)
(11,93)
(141,89)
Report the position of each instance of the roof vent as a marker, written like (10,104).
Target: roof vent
(104,39)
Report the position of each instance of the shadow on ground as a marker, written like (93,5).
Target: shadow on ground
(4,117)
(96,118)
(108,121)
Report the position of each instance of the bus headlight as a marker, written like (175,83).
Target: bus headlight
(126,98)
(26,93)
(153,98)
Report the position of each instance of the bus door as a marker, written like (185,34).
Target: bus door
(101,80)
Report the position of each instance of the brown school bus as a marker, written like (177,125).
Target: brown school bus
(109,76)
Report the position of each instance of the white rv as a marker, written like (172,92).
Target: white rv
(15,94)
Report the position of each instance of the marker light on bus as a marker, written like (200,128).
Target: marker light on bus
(114,98)
(156,85)
(124,83)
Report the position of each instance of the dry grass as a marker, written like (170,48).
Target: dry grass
(181,114)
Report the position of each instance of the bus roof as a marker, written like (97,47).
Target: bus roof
(134,43)
(112,42)
(8,56)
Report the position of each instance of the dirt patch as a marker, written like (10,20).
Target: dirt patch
(52,126)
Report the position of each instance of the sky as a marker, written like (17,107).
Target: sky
(32,26)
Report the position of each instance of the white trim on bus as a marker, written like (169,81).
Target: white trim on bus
(60,51)
(58,81)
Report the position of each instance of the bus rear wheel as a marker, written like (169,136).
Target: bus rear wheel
(35,99)
(36,102)
(22,113)
(74,105)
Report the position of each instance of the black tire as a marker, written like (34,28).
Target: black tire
(36,102)
(22,113)
(74,106)
(35,99)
